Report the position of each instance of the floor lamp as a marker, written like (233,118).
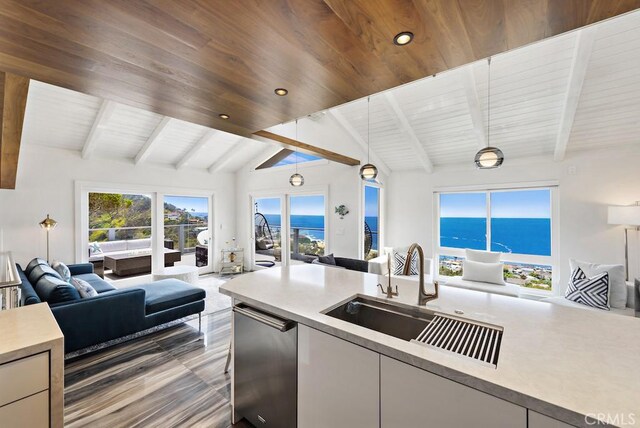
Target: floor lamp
(48,224)
(627,216)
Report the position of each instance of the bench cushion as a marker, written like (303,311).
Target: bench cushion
(506,289)
(561,301)
(170,293)
(99,284)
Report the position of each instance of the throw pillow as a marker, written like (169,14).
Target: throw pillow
(593,291)
(327,260)
(62,270)
(84,288)
(94,248)
(400,259)
(482,256)
(483,272)
(617,284)
(264,243)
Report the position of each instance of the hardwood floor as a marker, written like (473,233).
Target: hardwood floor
(171,378)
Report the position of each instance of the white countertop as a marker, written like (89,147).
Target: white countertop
(562,362)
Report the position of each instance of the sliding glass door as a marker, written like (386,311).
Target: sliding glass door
(267,229)
(307,227)
(186,231)
(119,234)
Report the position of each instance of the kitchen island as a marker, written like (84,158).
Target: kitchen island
(557,366)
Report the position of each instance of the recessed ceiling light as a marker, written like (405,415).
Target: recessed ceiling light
(223,116)
(403,38)
(281,92)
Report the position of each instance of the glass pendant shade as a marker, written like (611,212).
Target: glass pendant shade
(368,172)
(296,180)
(489,157)
(48,223)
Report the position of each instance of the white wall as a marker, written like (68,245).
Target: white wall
(342,183)
(46,185)
(588,183)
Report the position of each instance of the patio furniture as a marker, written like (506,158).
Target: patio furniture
(202,255)
(188,274)
(133,264)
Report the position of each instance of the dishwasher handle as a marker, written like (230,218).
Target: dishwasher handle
(267,319)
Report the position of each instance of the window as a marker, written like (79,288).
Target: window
(287,157)
(371,221)
(514,222)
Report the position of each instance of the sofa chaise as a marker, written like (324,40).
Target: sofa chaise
(112,313)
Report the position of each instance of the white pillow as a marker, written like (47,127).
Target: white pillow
(483,272)
(62,270)
(84,288)
(482,256)
(617,283)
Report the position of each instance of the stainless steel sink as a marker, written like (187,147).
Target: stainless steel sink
(403,323)
(471,339)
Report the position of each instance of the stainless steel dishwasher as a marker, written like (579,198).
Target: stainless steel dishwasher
(265,367)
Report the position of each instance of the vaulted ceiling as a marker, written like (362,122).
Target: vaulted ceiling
(193,59)
(577,91)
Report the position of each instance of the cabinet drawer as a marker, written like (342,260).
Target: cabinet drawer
(30,412)
(537,420)
(24,377)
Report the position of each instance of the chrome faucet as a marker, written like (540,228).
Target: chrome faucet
(389,292)
(423,296)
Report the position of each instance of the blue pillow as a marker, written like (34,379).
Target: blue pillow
(41,270)
(33,263)
(54,290)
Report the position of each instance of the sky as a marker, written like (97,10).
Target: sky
(511,204)
(371,197)
(291,159)
(199,205)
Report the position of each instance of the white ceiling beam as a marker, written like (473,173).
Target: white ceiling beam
(473,102)
(579,64)
(152,141)
(99,124)
(238,146)
(342,121)
(403,124)
(193,152)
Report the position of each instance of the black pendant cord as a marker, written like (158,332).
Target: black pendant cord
(489,102)
(296,153)
(368,126)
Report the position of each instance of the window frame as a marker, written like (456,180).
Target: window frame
(551,260)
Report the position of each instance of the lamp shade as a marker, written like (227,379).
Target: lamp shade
(629,215)
(48,223)
(296,180)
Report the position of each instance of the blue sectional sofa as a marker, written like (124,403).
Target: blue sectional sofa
(113,313)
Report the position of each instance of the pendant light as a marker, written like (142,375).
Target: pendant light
(489,157)
(296,180)
(368,171)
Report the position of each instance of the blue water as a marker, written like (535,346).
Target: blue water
(308,223)
(508,235)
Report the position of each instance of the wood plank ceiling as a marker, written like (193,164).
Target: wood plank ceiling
(194,59)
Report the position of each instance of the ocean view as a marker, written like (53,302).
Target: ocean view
(313,225)
(508,235)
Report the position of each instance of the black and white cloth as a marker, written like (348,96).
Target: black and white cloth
(592,291)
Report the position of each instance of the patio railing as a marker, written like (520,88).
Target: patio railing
(181,237)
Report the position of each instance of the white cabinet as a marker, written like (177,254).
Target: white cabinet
(537,420)
(338,382)
(413,397)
